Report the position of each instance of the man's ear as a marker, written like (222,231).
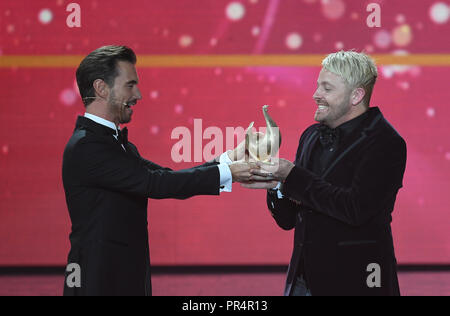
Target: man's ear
(357,96)
(101,88)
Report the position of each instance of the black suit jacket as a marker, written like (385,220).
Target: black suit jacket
(107,191)
(343,222)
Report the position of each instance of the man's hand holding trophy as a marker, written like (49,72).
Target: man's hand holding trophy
(260,152)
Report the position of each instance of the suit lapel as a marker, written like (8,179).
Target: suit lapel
(309,144)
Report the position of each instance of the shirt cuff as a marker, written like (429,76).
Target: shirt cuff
(279,194)
(225,159)
(226,178)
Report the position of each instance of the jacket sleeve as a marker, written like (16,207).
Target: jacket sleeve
(378,177)
(100,165)
(150,165)
(153,166)
(284,210)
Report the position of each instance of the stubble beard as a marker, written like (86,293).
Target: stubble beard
(118,109)
(333,114)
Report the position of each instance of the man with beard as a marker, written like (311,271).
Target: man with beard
(107,183)
(341,189)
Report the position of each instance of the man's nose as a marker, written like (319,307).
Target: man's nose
(316,95)
(138,94)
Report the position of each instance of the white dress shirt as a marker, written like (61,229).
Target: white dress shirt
(279,194)
(226,178)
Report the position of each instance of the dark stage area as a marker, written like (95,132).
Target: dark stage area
(216,281)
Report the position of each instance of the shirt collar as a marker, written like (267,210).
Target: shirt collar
(102,121)
(348,127)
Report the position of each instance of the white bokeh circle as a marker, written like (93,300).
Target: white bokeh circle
(439,12)
(294,41)
(185,40)
(333,9)
(45,16)
(235,11)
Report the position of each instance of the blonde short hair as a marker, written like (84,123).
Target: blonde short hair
(357,69)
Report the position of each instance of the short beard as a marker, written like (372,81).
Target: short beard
(342,111)
(334,117)
(117,108)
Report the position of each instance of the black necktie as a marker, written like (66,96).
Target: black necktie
(328,136)
(123,136)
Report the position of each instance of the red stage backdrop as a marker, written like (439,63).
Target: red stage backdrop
(40,102)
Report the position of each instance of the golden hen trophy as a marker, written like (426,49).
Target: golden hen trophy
(263,147)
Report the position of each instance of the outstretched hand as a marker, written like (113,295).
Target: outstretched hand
(278,170)
(261,179)
(242,171)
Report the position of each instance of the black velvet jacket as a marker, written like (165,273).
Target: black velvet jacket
(342,224)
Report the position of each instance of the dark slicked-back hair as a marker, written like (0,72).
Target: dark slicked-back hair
(101,64)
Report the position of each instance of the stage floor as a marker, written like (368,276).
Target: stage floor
(235,284)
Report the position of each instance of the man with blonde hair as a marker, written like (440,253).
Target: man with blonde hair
(341,189)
